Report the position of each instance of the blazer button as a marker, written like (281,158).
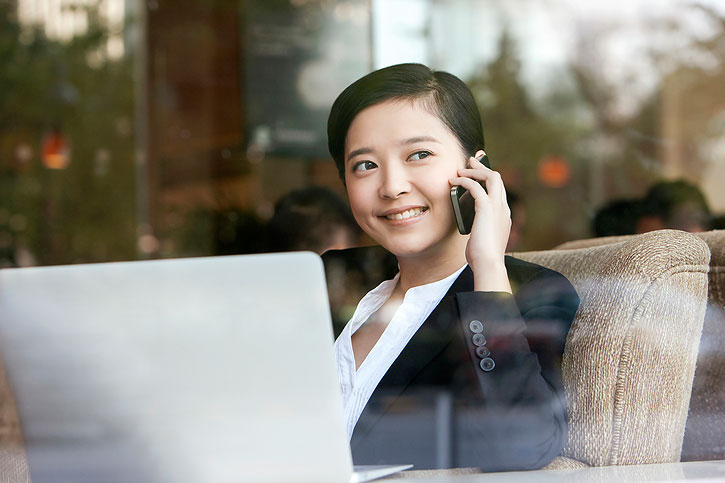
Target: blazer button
(487,364)
(479,340)
(482,351)
(476,326)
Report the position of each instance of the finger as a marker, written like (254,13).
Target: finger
(494,186)
(480,174)
(491,179)
(471,185)
(481,161)
(476,161)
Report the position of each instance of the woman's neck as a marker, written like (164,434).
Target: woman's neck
(422,269)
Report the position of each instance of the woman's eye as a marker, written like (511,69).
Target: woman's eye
(419,155)
(364,166)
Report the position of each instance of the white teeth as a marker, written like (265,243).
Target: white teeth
(413,212)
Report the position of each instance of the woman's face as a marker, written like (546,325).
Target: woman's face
(398,160)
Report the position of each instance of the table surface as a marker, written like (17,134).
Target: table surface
(690,471)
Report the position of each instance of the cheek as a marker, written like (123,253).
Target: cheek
(359,201)
(436,183)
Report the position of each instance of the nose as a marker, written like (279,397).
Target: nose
(394,182)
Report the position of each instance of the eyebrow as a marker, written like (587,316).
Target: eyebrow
(358,152)
(405,142)
(420,139)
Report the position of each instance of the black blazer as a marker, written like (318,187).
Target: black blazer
(462,393)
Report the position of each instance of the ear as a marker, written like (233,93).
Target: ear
(476,155)
(483,158)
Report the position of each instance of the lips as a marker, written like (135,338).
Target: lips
(405,213)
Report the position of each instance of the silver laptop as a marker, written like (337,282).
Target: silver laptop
(203,369)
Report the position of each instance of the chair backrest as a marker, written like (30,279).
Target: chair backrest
(630,355)
(705,431)
(13,462)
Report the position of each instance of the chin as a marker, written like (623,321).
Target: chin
(407,250)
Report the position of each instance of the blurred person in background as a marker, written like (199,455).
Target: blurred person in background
(314,219)
(318,220)
(455,323)
(616,218)
(718,222)
(676,205)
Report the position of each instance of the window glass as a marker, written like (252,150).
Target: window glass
(160,129)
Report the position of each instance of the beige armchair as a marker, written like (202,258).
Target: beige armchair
(629,360)
(630,355)
(704,437)
(13,463)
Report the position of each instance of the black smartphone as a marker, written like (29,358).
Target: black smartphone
(464,206)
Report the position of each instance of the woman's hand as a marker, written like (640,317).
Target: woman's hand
(491,226)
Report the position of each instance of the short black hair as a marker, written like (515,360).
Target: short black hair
(443,94)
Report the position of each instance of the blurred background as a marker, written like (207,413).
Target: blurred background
(134,129)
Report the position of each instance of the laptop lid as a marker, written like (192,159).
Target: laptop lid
(202,369)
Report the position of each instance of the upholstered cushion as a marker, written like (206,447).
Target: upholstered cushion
(13,464)
(438,474)
(705,431)
(630,355)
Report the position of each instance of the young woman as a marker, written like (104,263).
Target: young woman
(455,360)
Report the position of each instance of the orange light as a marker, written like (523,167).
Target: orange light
(56,150)
(554,171)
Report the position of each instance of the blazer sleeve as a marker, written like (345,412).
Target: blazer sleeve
(522,421)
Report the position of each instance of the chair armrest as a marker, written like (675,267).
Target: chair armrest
(564,463)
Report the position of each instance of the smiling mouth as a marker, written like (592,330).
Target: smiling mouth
(404,215)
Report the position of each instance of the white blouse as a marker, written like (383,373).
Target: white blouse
(358,385)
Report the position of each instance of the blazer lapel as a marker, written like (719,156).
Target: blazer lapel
(429,342)
(431,339)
